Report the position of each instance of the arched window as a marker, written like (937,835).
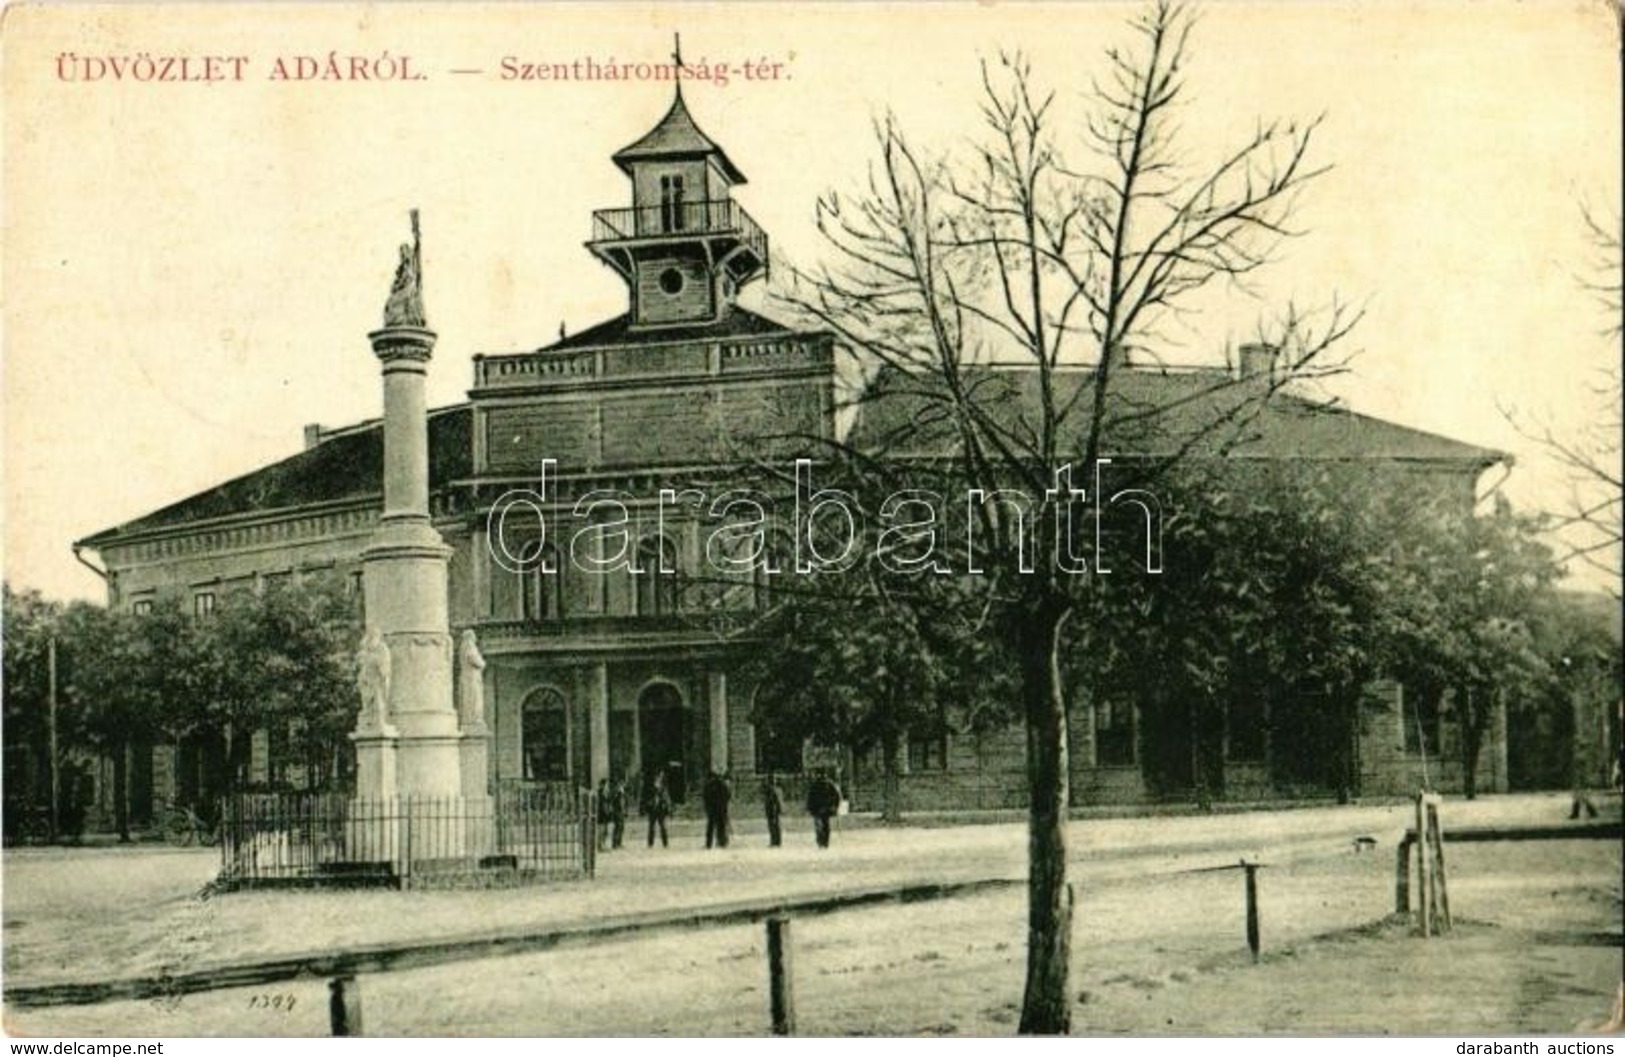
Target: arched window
(657,580)
(544,736)
(541,593)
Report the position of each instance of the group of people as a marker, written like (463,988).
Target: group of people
(824,802)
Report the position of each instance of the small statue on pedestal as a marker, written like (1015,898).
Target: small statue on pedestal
(373,665)
(470,682)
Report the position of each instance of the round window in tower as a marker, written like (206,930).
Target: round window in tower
(671,281)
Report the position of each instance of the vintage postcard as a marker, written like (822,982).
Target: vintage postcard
(723,519)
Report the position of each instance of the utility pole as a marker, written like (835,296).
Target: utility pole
(56,782)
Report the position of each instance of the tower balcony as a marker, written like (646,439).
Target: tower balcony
(734,240)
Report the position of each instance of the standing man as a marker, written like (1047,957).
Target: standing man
(823,802)
(772,809)
(603,814)
(716,796)
(617,813)
(658,807)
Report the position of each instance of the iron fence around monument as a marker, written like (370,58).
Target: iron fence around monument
(522,833)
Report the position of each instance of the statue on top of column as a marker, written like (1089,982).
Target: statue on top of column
(405,305)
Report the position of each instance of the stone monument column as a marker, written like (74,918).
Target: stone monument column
(405,573)
(405,577)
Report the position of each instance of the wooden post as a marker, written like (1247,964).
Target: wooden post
(344,1006)
(1424,871)
(781,983)
(1402,877)
(1439,882)
(1251,869)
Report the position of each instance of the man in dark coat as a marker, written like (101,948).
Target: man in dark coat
(617,813)
(716,795)
(603,814)
(657,805)
(772,810)
(823,802)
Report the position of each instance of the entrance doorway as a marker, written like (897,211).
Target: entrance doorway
(662,734)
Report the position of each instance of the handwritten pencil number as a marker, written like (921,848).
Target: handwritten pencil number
(281,1003)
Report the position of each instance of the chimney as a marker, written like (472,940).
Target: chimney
(313,435)
(1256,360)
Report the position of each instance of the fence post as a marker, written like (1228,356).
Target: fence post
(1402,877)
(1251,869)
(344,1006)
(1440,881)
(781,983)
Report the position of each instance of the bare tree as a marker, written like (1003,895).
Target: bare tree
(1589,521)
(997,300)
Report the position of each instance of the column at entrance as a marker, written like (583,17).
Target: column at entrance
(717,698)
(598,722)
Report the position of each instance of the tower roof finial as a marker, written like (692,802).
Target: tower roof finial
(677,61)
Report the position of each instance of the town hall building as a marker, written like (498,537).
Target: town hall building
(628,674)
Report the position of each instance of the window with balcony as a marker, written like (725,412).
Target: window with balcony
(541,590)
(671,203)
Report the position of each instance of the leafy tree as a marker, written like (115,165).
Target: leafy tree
(279,661)
(119,672)
(846,660)
(1470,592)
(31,622)
(1240,617)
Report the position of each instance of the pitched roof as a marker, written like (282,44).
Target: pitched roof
(1155,413)
(735,322)
(676,136)
(345,464)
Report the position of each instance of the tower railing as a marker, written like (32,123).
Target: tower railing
(679,220)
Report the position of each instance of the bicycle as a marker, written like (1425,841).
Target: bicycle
(183,828)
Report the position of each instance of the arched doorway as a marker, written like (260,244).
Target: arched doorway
(544,736)
(663,735)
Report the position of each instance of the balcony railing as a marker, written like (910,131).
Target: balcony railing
(679,220)
(680,624)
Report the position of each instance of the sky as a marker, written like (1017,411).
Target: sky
(190,268)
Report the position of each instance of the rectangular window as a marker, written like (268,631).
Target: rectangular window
(671,203)
(928,752)
(1421,713)
(1247,726)
(1114,732)
(203,603)
(141,607)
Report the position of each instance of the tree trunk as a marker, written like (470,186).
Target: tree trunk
(1472,739)
(891,786)
(121,790)
(1046,1004)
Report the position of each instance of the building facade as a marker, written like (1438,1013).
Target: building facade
(607,654)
